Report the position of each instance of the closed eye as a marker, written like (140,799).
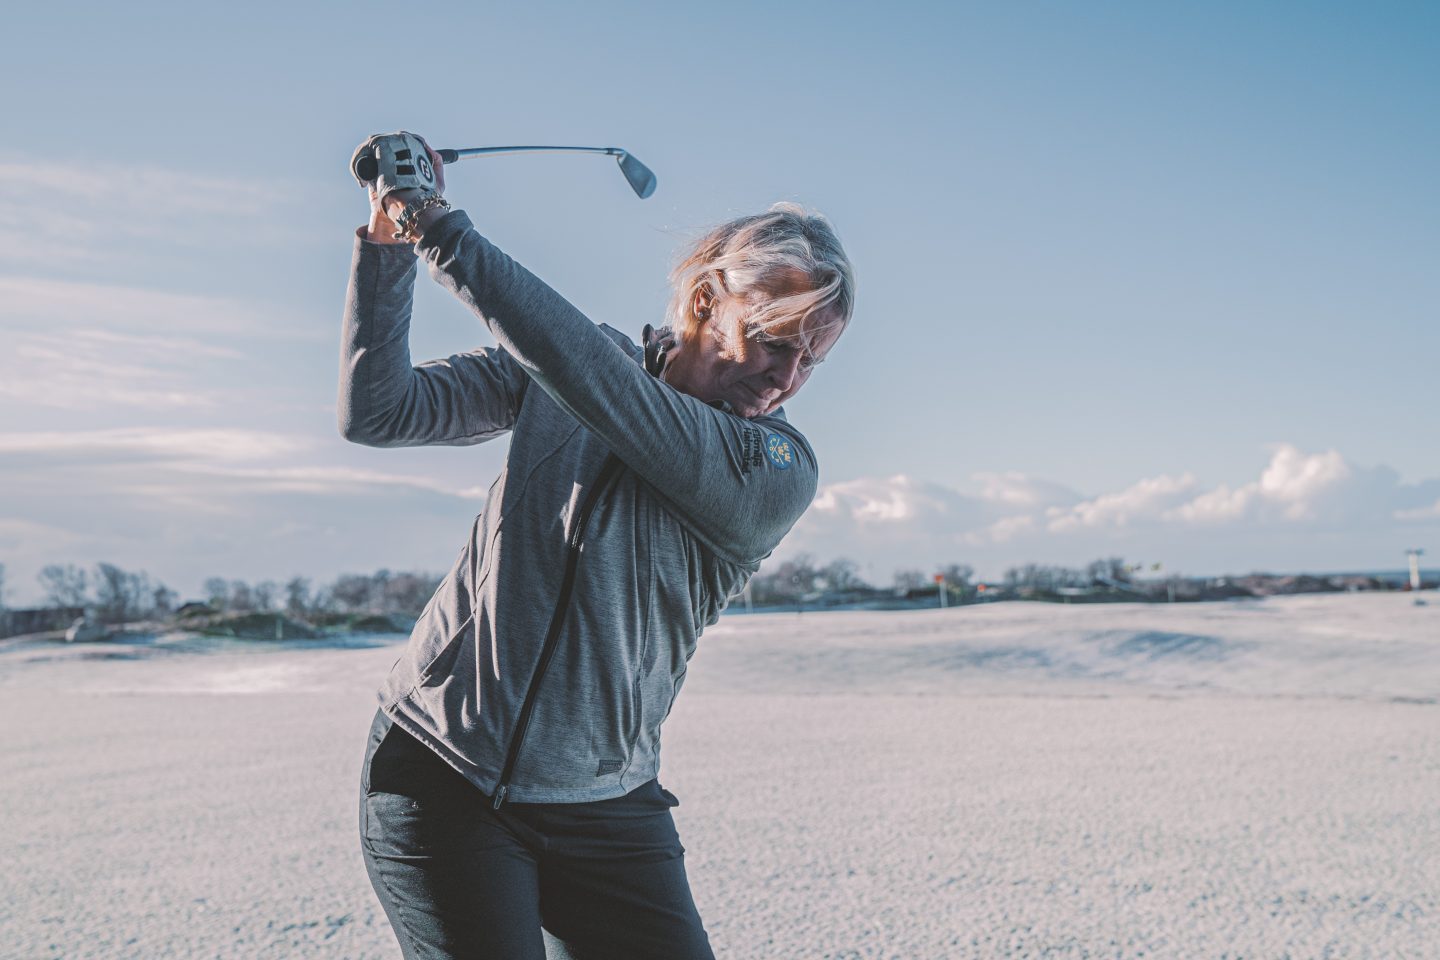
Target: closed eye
(775,345)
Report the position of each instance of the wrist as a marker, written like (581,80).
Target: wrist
(421,210)
(396,200)
(380,229)
(426,218)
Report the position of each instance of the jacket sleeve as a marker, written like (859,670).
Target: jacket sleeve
(384,401)
(739,484)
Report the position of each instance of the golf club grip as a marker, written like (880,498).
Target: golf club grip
(448,156)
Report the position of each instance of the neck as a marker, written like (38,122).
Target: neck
(679,371)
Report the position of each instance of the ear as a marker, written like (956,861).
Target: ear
(703,302)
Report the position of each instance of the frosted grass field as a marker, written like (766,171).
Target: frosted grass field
(1256,779)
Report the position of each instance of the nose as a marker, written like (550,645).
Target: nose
(783,370)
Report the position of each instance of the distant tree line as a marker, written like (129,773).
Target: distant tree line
(1032,576)
(117,596)
(383,591)
(803,576)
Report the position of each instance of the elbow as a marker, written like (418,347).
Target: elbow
(353,435)
(359,422)
(356,430)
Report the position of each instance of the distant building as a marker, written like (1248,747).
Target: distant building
(14,623)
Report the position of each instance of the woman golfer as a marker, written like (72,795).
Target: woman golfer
(510,780)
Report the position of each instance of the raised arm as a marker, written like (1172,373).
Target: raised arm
(384,401)
(740,483)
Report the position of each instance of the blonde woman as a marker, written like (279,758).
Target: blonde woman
(510,782)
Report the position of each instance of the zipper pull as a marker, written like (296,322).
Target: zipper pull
(500,796)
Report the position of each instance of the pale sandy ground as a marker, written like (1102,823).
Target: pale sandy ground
(1256,780)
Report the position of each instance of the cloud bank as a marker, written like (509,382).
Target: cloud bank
(1303,510)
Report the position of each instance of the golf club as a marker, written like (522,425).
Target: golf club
(641,180)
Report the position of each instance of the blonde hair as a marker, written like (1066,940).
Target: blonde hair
(761,259)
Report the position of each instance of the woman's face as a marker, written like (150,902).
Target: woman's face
(753,374)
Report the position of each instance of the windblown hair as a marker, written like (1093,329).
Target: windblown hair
(784,264)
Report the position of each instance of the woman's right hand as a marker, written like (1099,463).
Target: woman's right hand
(382,228)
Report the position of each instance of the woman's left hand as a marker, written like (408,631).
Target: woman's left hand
(382,214)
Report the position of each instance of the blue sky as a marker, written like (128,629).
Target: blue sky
(1145,280)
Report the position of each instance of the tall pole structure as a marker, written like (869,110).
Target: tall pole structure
(1414,555)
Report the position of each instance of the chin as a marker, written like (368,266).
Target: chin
(753,409)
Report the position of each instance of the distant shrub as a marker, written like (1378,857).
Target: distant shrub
(259,626)
(382,623)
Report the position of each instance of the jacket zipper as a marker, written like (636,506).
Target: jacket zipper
(552,636)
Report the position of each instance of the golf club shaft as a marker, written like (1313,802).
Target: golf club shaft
(639,176)
(451,156)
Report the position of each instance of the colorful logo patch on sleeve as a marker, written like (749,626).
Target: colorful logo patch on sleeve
(779,450)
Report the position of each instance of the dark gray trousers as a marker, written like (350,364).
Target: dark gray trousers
(460,880)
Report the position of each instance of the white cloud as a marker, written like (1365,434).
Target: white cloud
(1292,487)
(893,503)
(18,535)
(219,453)
(1018,490)
(217,444)
(160,347)
(1431,512)
(96,212)
(1003,530)
(1146,500)
(90,347)
(161,191)
(42,304)
(332,480)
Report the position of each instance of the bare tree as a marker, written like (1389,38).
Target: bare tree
(1108,569)
(65,585)
(297,595)
(265,593)
(352,592)
(1045,578)
(791,581)
(162,601)
(120,595)
(322,601)
(242,598)
(407,592)
(842,574)
(217,592)
(798,576)
(383,591)
(907,580)
(957,577)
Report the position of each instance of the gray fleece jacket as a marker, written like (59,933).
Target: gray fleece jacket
(626,515)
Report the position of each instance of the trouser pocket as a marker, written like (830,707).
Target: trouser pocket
(408,793)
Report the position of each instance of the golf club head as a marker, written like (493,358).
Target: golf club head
(642,181)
